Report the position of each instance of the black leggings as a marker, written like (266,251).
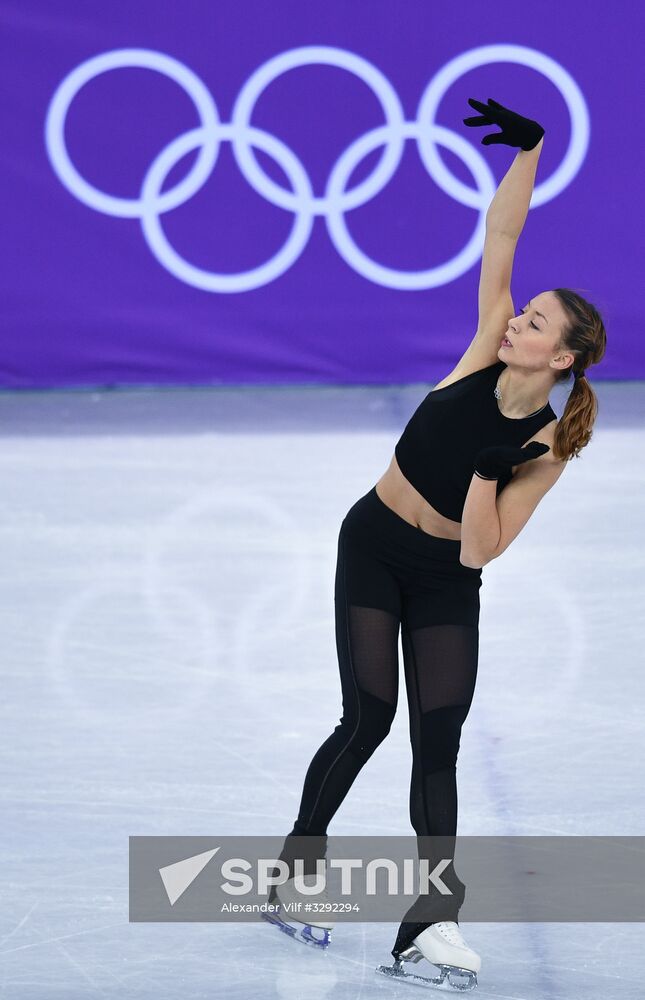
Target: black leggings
(392,575)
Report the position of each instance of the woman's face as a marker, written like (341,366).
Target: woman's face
(535,334)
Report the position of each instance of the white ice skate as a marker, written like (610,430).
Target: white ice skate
(292,918)
(443,946)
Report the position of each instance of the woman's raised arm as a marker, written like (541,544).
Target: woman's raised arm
(507,211)
(505,220)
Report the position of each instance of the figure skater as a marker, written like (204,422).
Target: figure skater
(472,465)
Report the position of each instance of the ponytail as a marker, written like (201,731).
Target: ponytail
(586,338)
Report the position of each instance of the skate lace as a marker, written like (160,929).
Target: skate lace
(450,931)
(320,897)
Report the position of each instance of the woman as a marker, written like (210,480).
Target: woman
(470,468)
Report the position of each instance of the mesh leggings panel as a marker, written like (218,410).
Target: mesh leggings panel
(367,644)
(441,670)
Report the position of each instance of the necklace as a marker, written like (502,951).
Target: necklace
(498,395)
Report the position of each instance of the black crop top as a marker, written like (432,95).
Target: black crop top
(436,452)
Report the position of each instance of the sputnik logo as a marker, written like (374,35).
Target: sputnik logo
(178,876)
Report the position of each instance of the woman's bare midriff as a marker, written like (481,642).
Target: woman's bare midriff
(400,496)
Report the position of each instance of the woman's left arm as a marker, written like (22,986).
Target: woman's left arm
(505,220)
(509,208)
(489,523)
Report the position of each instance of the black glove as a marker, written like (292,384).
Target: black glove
(516,131)
(498,460)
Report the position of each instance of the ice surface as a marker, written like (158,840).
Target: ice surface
(169,667)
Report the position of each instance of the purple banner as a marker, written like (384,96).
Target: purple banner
(222,193)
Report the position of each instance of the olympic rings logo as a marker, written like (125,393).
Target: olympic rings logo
(300,200)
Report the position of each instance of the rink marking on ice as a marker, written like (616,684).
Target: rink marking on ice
(20,924)
(77,965)
(63,937)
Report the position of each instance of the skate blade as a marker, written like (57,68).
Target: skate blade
(450,977)
(318,937)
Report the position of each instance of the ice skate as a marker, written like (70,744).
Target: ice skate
(293,919)
(442,945)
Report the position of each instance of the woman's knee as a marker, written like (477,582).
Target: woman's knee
(441,735)
(370,726)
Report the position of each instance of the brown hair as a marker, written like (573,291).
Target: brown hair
(586,338)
